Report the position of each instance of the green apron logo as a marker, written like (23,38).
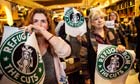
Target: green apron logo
(19,62)
(111,64)
(73,19)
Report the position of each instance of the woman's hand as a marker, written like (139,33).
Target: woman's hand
(33,28)
(116,25)
(79,38)
(29,28)
(120,48)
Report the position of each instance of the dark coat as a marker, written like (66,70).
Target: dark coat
(92,55)
(137,24)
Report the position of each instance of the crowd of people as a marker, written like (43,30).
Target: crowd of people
(79,53)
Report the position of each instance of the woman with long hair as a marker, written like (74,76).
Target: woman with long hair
(51,46)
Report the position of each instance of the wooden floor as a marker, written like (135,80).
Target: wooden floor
(132,78)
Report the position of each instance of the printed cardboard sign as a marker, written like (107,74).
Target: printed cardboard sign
(112,67)
(110,24)
(75,23)
(20,60)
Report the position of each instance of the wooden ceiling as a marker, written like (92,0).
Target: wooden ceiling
(56,5)
(60,4)
(56,2)
(51,4)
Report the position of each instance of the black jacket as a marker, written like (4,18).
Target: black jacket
(137,24)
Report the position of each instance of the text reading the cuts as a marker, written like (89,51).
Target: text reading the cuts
(25,79)
(11,63)
(111,64)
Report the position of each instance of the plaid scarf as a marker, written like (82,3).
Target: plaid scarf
(96,38)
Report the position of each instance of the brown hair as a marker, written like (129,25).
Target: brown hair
(29,19)
(117,16)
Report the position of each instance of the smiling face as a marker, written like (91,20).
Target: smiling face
(96,19)
(98,22)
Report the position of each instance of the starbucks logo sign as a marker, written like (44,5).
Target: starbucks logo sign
(73,19)
(19,62)
(111,64)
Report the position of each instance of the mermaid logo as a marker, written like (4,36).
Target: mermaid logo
(73,18)
(111,64)
(26,60)
(19,62)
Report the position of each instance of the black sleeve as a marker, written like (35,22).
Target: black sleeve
(137,22)
(91,57)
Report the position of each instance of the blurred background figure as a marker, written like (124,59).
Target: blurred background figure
(113,16)
(137,23)
(55,20)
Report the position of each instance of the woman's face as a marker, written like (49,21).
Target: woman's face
(113,16)
(39,19)
(98,22)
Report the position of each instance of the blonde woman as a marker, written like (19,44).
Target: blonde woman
(98,33)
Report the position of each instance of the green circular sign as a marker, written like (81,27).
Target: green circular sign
(111,64)
(73,19)
(20,63)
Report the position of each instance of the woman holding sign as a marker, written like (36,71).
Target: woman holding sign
(51,46)
(113,16)
(98,33)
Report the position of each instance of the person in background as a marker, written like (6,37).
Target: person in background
(51,46)
(97,33)
(55,21)
(58,26)
(74,68)
(127,29)
(113,16)
(132,33)
(1,30)
(137,24)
